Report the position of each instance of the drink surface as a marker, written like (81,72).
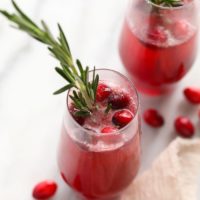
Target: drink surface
(157,49)
(101,165)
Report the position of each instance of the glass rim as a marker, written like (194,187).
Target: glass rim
(117,132)
(171,8)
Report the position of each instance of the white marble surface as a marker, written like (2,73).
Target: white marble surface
(30,116)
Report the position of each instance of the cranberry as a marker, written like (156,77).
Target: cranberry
(180,29)
(103,91)
(119,100)
(184,127)
(157,34)
(192,94)
(44,190)
(108,129)
(153,118)
(122,117)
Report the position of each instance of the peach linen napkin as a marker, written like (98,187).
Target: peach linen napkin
(173,175)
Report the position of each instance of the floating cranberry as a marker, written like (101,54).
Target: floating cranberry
(79,120)
(184,127)
(192,95)
(122,118)
(108,129)
(180,29)
(119,100)
(44,190)
(157,34)
(103,91)
(153,118)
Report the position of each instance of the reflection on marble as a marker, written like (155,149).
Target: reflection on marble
(29,126)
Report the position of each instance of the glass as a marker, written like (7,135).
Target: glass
(95,165)
(158,45)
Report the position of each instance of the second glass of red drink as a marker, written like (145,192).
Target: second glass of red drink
(158,43)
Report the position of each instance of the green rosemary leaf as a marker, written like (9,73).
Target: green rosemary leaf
(22,14)
(63,74)
(80,67)
(63,40)
(82,113)
(96,82)
(63,89)
(109,107)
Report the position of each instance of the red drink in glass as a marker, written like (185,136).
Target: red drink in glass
(158,45)
(101,165)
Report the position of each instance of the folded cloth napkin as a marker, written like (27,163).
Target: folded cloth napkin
(173,175)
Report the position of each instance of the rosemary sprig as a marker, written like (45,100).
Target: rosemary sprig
(77,77)
(168,3)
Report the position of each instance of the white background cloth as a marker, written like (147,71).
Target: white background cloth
(30,116)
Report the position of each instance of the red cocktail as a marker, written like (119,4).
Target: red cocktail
(99,156)
(158,44)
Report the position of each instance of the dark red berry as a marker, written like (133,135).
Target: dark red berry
(184,127)
(157,34)
(122,118)
(192,95)
(44,190)
(180,29)
(103,91)
(108,129)
(153,118)
(78,119)
(119,100)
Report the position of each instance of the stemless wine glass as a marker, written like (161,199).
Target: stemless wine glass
(95,165)
(158,45)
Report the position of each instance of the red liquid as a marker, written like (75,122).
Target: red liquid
(101,167)
(154,64)
(98,175)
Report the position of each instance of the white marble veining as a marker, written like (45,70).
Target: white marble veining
(30,116)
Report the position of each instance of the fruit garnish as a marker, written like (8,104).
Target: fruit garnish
(77,77)
(122,118)
(157,34)
(168,3)
(118,100)
(108,129)
(184,127)
(44,190)
(153,118)
(180,29)
(103,91)
(192,94)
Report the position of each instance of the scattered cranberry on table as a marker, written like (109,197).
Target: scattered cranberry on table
(153,118)
(44,190)
(192,94)
(184,127)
